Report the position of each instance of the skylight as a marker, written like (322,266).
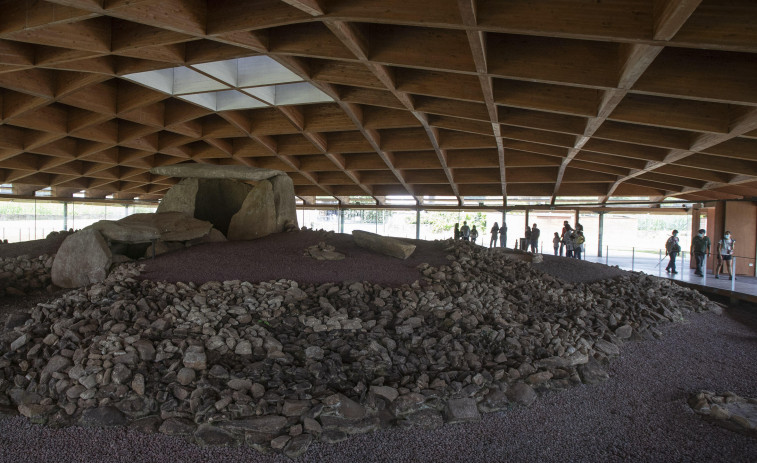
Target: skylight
(244,83)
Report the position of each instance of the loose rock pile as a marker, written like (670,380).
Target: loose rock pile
(24,275)
(727,410)
(275,365)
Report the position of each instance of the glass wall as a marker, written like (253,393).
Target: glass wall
(25,220)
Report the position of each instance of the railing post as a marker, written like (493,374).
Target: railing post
(733,273)
(607,254)
(659,264)
(633,257)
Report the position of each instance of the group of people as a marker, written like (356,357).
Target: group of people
(570,240)
(700,248)
(465,232)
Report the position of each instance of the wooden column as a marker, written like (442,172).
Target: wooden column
(741,221)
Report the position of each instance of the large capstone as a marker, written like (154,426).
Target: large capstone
(83,258)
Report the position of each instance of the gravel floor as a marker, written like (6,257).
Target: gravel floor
(281,256)
(577,271)
(640,414)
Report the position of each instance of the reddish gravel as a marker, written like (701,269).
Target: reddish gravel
(282,256)
(640,414)
(577,271)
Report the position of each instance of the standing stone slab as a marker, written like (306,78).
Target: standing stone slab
(83,258)
(257,217)
(383,244)
(180,197)
(283,199)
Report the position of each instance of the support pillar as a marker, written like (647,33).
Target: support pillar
(601,233)
(417,224)
(577,215)
(695,212)
(341,220)
(65,215)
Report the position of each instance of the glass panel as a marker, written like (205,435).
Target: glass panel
(646,233)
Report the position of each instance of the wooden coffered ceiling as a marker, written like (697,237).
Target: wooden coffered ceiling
(458,98)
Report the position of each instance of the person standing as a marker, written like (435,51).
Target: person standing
(673,248)
(578,244)
(527,238)
(700,247)
(535,234)
(465,231)
(556,242)
(474,235)
(457,231)
(495,233)
(503,235)
(568,240)
(565,235)
(725,255)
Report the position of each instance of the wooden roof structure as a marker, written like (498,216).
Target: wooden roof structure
(376,98)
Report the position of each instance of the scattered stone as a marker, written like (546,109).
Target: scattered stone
(103,417)
(592,372)
(298,445)
(461,410)
(195,358)
(727,410)
(521,393)
(426,419)
(207,434)
(280,442)
(383,244)
(177,427)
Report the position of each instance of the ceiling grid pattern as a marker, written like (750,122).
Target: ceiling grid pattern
(366,98)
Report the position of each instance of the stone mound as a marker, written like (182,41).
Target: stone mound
(277,365)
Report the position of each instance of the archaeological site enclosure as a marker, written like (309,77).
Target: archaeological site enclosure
(225,312)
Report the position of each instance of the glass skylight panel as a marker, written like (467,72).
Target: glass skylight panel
(262,70)
(243,83)
(206,100)
(186,80)
(267,94)
(161,80)
(225,71)
(232,99)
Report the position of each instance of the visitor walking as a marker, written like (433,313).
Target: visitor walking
(556,242)
(503,235)
(465,231)
(672,248)
(535,234)
(700,247)
(495,233)
(725,255)
(457,231)
(565,235)
(474,235)
(578,244)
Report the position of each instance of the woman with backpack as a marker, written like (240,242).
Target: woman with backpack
(673,249)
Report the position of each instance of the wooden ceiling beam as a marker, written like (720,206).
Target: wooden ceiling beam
(477,42)
(356,40)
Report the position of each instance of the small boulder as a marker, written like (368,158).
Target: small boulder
(383,244)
